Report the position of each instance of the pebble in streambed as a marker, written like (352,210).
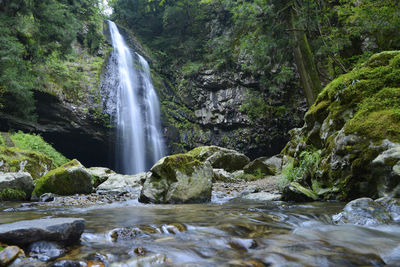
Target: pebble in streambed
(129,233)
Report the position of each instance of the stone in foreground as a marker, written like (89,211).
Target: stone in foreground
(63,230)
(69,179)
(178,179)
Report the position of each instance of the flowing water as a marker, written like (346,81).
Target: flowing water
(234,233)
(131,100)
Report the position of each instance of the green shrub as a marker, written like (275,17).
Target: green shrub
(191,68)
(308,164)
(37,144)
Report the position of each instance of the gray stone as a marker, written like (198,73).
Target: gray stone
(17,180)
(178,179)
(392,206)
(265,165)
(62,230)
(386,169)
(45,251)
(47,197)
(123,183)
(100,175)
(221,175)
(263,196)
(363,211)
(9,254)
(220,158)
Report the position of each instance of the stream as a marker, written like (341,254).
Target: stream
(222,233)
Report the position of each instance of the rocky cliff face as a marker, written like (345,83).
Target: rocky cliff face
(69,128)
(207,109)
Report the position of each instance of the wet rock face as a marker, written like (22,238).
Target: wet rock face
(178,179)
(63,230)
(207,109)
(365,211)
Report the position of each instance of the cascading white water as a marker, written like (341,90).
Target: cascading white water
(135,108)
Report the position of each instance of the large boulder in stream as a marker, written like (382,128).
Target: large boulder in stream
(119,183)
(15,186)
(178,179)
(265,165)
(69,179)
(365,211)
(220,158)
(65,231)
(354,128)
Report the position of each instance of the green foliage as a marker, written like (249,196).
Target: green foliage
(191,68)
(33,31)
(36,143)
(10,194)
(307,166)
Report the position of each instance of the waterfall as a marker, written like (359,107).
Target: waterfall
(129,97)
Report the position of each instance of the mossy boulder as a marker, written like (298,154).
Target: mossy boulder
(15,186)
(178,179)
(354,120)
(220,158)
(264,165)
(100,175)
(13,159)
(71,178)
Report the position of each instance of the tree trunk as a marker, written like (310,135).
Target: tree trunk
(305,64)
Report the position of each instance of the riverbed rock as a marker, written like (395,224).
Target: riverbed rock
(265,165)
(178,179)
(296,192)
(9,254)
(71,178)
(354,124)
(62,230)
(123,183)
(262,196)
(15,186)
(45,251)
(100,175)
(220,158)
(363,211)
(221,175)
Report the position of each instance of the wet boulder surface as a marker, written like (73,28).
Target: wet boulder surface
(23,233)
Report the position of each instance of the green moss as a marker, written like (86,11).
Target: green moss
(61,181)
(183,163)
(10,194)
(14,159)
(378,117)
(36,143)
(1,248)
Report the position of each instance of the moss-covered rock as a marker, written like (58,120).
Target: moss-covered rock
(71,178)
(15,186)
(296,192)
(220,158)
(354,120)
(178,179)
(265,165)
(13,159)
